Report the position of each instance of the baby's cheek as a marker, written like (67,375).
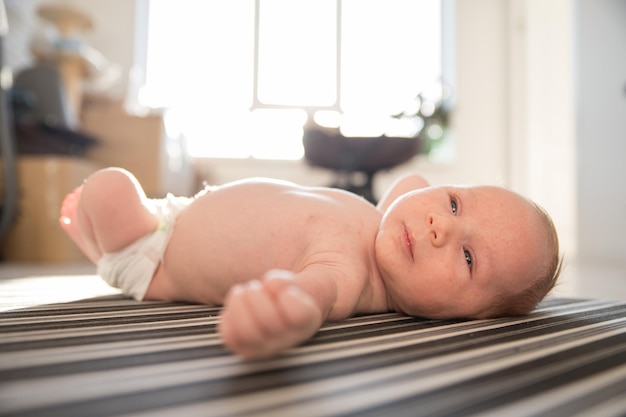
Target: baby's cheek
(386,255)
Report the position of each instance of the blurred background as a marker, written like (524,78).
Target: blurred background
(526,94)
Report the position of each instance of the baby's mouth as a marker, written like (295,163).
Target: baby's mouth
(406,239)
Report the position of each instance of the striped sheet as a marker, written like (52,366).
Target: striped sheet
(115,356)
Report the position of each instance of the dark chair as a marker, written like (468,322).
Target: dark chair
(350,156)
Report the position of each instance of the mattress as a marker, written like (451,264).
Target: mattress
(110,355)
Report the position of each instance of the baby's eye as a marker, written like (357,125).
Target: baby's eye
(468,258)
(453,205)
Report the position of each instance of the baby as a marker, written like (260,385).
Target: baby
(284,258)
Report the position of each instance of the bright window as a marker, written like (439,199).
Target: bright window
(365,60)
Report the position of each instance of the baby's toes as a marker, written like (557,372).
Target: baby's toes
(69,205)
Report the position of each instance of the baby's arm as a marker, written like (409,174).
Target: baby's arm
(400,187)
(262,317)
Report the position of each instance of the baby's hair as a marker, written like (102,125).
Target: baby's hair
(524,302)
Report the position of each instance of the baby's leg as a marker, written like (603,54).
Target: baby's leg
(107,213)
(69,223)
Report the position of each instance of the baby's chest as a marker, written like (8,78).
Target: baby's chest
(294,242)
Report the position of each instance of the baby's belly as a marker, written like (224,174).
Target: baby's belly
(207,275)
(238,233)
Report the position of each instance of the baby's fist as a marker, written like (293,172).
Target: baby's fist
(263,317)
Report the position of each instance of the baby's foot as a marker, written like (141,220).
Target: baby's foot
(69,224)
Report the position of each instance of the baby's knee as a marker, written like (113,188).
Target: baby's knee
(110,175)
(110,179)
(109,186)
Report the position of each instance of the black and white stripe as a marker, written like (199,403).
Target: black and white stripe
(114,356)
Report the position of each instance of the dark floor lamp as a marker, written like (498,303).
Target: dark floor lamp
(7,144)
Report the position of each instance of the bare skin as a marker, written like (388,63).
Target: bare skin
(283,259)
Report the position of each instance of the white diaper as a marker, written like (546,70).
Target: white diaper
(132,268)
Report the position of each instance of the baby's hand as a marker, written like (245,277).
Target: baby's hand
(263,317)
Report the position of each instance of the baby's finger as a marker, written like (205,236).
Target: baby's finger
(235,330)
(277,281)
(233,292)
(251,324)
(296,306)
(264,309)
(278,274)
(237,326)
(299,309)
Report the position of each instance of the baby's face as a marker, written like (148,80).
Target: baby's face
(451,251)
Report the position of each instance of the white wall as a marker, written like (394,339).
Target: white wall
(480,121)
(601,112)
(113,33)
(568,121)
(542,152)
(521,68)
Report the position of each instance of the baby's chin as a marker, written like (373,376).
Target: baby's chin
(420,311)
(440,312)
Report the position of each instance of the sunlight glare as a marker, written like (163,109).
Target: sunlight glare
(200,64)
(327,118)
(274,132)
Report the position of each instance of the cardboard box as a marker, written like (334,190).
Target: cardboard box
(139,144)
(43,182)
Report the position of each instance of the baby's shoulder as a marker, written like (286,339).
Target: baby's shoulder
(287,202)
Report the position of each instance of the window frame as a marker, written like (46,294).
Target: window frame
(137,78)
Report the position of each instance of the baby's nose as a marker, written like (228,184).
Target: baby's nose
(440,228)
